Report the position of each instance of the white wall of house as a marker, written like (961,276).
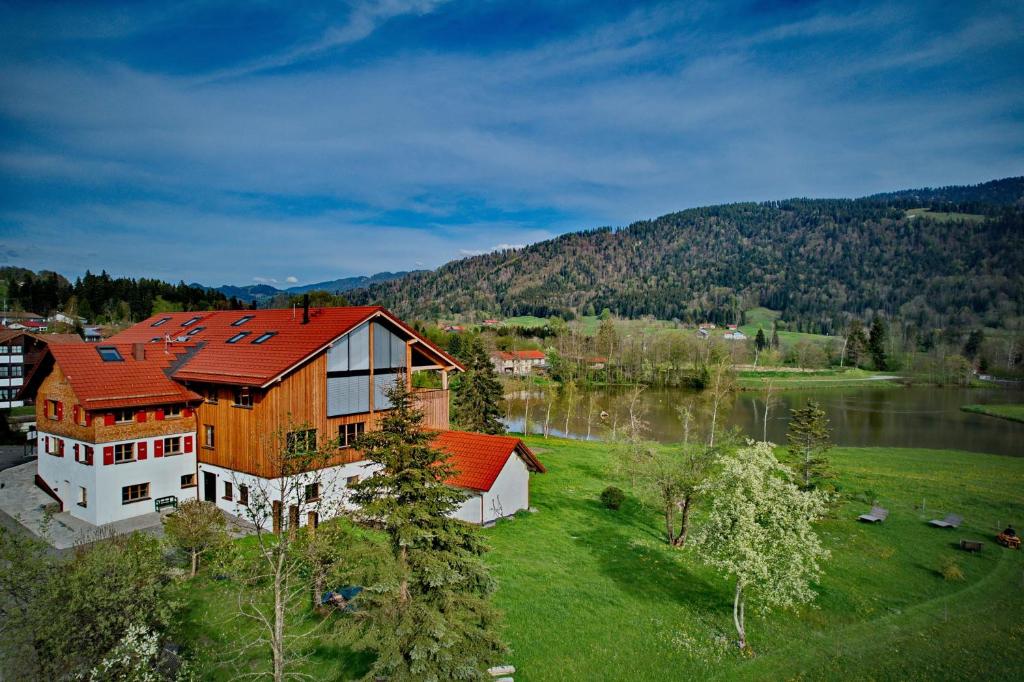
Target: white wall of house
(103,483)
(509,494)
(333,489)
(10,385)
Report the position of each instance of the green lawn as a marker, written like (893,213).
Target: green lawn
(1011,412)
(593,594)
(783,379)
(764,317)
(944,217)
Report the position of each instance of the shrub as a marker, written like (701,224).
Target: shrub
(951,570)
(612,497)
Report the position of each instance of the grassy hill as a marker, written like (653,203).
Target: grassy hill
(593,594)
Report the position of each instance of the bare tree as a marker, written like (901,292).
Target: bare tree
(590,413)
(769,400)
(723,383)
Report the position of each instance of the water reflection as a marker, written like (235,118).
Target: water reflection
(925,417)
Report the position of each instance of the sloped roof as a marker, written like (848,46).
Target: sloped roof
(246,363)
(100,385)
(519,355)
(479,458)
(60,338)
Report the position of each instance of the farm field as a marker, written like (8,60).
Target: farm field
(782,379)
(590,593)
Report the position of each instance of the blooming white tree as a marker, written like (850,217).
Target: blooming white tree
(759,533)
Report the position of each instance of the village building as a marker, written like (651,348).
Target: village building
(196,405)
(518,362)
(735,335)
(20,351)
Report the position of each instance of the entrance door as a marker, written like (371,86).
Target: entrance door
(210,487)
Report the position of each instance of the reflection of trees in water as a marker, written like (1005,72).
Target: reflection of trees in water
(926,417)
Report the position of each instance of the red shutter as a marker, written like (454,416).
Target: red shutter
(108,455)
(74,413)
(188,444)
(186,412)
(159,415)
(140,450)
(108,419)
(88,455)
(140,416)
(158,447)
(60,410)
(60,448)
(88,418)
(47,444)
(76,451)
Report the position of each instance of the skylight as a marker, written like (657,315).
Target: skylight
(162,320)
(238,337)
(109,354)
(263,337)
(190,321)
(242,320)
(195,330)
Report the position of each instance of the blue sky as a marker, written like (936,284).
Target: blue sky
(238,142)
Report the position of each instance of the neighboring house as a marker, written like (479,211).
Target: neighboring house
(493,470)
(23,319)
(597,363)
(27,325)
(518,362)
(225,388)
(703,333)
(491,323)
(706,325)
(732,327)
(454,328)
(734,336)
(67,319)
(92,334)
(20,351)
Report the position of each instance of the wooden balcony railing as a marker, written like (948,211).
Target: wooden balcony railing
(434,404)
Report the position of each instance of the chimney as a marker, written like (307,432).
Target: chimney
(139,351)
(305,309)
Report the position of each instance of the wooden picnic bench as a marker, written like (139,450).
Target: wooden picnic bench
(970,545)
(169,501)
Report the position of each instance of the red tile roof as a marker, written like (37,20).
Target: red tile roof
(520,355)
(479,458)
(246,363)
(103,385)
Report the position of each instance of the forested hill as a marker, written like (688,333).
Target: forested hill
(819,261)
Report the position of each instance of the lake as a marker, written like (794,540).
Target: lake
(922,417)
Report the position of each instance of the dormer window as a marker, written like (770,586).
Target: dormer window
(242,320)
(265,336)
(162,320)
(191,321)
(109,354)
(238,337)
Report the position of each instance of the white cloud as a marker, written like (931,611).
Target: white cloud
(291,279)
(264,280)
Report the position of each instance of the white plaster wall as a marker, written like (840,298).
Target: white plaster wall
(333,489)
(509,494)
(103,483)
(471,510)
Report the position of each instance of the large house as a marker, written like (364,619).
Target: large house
(517,362)
(19,353)
(188,405)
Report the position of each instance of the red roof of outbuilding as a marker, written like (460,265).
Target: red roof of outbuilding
(246,363)
(479,458)
(127,383)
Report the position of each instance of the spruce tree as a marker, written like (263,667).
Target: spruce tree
(759,340)
(478,395)
(876,344)
(809,438)
(435,621)
(856,343)
(775,338)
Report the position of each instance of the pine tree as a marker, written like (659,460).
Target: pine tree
(973,345)
(478,396)
(760,340)
(856,343)
(435,622)
(775,338)
(809,438)
(876,344)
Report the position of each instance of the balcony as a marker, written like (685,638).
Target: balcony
(433,402)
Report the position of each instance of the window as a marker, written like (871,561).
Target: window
(243,495)
(124,452)
(210,392)
(162,320)
(312,492)
(242,320)
(109,354)
(301,441)
(87,455)
(208,435)
(243,397)
(53,446)
(188,481)
(134,493)
(228,493)
(172,411)
(172,446)
(238,337)
(155,339)
(52,410)
(348,433)
(83,497)
(194,331)
(352,480)
(263,337)
(189,322)
(124,416)
(83,416)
